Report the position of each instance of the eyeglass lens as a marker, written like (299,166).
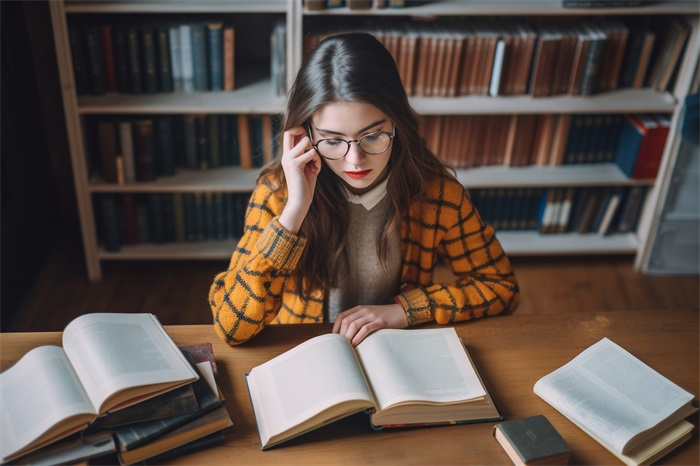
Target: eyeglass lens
(374,143)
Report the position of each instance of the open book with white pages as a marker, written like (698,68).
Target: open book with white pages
(625,405)
(401,377)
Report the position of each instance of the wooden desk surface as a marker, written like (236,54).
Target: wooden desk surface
(511,353)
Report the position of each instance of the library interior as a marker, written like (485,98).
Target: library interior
(133,134)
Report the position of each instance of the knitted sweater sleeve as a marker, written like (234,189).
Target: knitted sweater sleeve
(248,295)
(485,284)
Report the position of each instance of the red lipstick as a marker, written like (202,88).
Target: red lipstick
(359,174)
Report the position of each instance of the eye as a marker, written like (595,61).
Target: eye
(333,142)
(372,137)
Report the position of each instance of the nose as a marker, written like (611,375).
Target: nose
(355,154)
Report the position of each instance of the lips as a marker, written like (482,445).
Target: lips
(359,174)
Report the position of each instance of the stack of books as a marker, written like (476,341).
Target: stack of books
(118,387)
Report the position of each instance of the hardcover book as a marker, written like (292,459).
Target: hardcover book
(107,362)
(401,377)
(630,409)
(532,441)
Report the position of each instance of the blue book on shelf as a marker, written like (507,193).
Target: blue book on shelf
(200,65)
(215,37)
(631,136)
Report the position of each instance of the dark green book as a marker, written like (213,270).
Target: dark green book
(94,60)
(149,62)
(165,145)
(165,72)
(532,440)
(108,214)
(217,438)
(134,435)
(134,53)
(80,74)
(156,222)
(202,128)
(121,59)
(182,400)
(200,64)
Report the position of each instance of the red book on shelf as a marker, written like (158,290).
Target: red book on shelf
(651,149)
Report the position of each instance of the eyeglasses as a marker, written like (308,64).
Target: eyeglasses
(336,148)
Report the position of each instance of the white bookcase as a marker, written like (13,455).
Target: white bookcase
(259,98)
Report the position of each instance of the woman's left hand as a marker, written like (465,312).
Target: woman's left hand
(358,322)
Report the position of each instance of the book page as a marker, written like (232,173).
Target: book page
(426,364)
(113,352)
(304,381)
(39,392)
(611,393)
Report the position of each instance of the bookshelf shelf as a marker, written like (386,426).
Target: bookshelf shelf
(533,176)
(255,95)
(620,101)
(507,8)
(230,179)
(201,250)
(177,6)
(531,243)
(514,243)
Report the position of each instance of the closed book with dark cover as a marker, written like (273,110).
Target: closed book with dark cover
(132,436)
(144,150)
(149,63)
(532,441)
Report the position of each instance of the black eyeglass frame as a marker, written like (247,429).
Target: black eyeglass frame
(391,135)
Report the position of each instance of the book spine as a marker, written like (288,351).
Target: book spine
(229,48)
(165,71)
(107,46)
(187,58)
(80,72)
(95,62)
(165,150)
(121,59)
(126,144)
(149,65)
(175,58)
(216,56)
(144,150)
(134,51)
(199,57)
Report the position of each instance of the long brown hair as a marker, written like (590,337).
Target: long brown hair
(352,67)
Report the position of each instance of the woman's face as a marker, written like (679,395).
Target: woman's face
(359,171)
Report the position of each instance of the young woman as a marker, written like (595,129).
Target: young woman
(347,225)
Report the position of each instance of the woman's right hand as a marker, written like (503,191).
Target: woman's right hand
(301,165)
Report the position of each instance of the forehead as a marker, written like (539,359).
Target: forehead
(347,117)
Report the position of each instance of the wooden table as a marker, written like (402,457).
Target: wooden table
(510,352)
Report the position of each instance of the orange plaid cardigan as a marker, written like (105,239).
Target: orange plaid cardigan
(260,288)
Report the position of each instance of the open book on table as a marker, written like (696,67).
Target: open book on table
(403,377)
(107,362)
(625,405)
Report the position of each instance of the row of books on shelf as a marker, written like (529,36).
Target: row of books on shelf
(148,57)
(538,58)
(129,149)
(314,5)
(128,219)
(634,142)
(177,408)
(601,210)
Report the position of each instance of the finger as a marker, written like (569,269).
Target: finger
(345,318)
(360,328)
(295,137)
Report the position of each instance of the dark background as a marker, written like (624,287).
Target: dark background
(38,199)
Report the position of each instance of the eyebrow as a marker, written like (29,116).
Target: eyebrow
(370,126)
